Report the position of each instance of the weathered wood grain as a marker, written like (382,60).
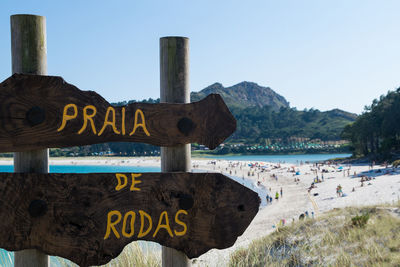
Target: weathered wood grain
(174,88)
(29,56)
(32,108)
(66,214)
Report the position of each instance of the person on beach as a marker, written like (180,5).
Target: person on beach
(339,190)
(281,192)
(277,195)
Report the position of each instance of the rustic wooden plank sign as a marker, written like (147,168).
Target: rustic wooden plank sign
(45,111)
(89,218)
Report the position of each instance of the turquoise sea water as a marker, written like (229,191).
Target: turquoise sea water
(283,158)
(7,258)
(89,169)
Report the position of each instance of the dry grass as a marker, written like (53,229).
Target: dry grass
(132,255)
(331,240)
(143,255)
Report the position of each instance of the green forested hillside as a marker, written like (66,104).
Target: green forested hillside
(256,124)
(264,114)
(377,131)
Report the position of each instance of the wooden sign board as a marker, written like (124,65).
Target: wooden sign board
(44,111)
(89,218)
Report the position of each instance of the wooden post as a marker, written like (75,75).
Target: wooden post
(174,88)
(29,55)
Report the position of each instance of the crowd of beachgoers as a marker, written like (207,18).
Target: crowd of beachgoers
(303,190)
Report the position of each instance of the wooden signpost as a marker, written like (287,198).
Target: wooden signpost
(45,111)
(174,88)
(29,55)
(89,218)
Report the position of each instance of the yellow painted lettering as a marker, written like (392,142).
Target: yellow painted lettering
(133,217)
(123,121)
(142,216)
(137,124)
(109,123)
(67,117)
(88,117)
(111,225)
(163,214)
(121,185)
(183,232)
(134,181)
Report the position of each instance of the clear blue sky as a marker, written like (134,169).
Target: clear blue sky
(321,54)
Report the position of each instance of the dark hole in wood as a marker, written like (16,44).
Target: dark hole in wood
(37,208)
(241,207)
(166,203)
(35,116)
(76,225)
(186,126)
(185,201)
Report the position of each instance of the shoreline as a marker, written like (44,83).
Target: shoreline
(209,155)
(196,156)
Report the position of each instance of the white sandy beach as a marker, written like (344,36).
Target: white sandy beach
(383,187)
